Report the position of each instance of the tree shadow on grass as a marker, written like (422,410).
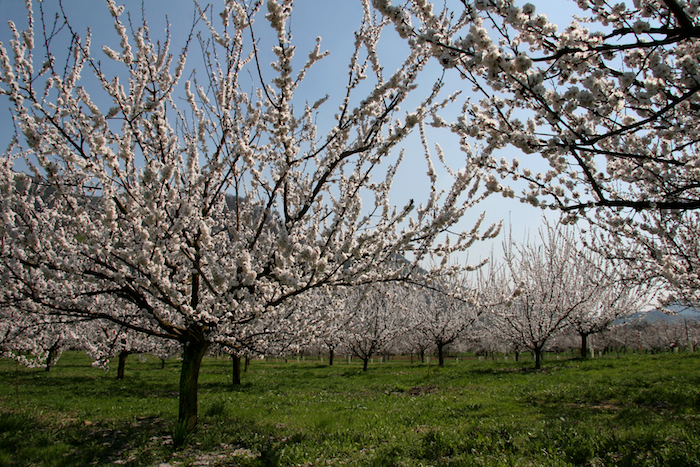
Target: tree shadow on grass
(614,432)
(27,439)
(30,440)
(103,386)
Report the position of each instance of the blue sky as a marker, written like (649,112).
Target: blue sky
(334,21)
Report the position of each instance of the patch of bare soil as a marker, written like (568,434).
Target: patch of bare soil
(422,390)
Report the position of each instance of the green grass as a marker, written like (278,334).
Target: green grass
(631,410)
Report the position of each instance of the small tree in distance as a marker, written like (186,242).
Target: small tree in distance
(123,216)
(612,297)
(545,286)
(37,340)
(444,312)
(376,317)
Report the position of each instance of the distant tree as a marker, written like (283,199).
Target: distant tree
(541,287)
(692,334)
(104,340)
(331,326)
(612,296)
(122,213)
(660,248)
(37,340)
(443,312)
(376,317)
(414,342)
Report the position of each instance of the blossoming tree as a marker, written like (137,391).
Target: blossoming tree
(611,102)
(190,209)
(103,340)
(443,313)
(37,340)
(377,318)
(613,295)
(544,286)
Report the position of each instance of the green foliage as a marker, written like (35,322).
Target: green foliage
(626,411)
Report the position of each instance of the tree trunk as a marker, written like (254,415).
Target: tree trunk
(538,359)
(51,357)
(162,363)
(194,350)
(441,354)
(247,362)
(236,380)
(687,337)
(584,345)
(122,364)
(365,361)
(330,356)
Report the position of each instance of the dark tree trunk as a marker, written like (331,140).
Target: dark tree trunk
(422,355)
(162,363)
(584,345)
(331,354)
(538,359)
(122,364)
(246,364)
(51,357)
(441,354)
(365,361)
(236,379)
(192,355)
(517,356)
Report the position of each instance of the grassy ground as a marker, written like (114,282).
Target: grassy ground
(629,410)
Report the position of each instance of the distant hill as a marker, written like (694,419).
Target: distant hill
(670,314)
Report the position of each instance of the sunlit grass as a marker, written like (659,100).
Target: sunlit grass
(631,410)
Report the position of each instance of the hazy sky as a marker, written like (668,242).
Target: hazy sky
(334,21)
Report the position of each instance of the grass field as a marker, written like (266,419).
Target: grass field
(629,410)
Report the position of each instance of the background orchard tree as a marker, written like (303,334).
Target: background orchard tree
(542,284)
(377,316)
(237,355)
(37,340)
(332,339)
(616,291)
(415,342)
(661,248)
(660,336)
(284,331)
(104,340)
(443,312)
(128,168)
(611,102)
(331,322)
(692,334)
(615,338)
(612,297)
